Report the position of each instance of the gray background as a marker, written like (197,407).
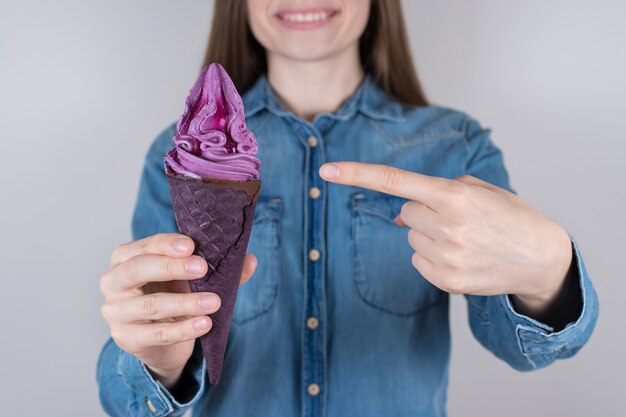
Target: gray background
(101,78)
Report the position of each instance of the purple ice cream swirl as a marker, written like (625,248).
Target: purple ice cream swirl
(211,139)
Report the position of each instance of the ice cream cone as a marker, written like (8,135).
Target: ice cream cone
(217,214)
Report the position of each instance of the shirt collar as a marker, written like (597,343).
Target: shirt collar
(368,99)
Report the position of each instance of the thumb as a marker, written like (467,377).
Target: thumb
(249,267)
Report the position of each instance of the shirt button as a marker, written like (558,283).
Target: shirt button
(312,141)
(314,255)
(314,193)
(312,323)
(151,406)
(313,389)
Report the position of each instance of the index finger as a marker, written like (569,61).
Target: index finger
(386,179)
(170,244)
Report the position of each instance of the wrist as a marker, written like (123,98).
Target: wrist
(168,378)
(559,268)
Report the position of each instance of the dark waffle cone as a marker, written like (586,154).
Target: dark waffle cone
(217,214)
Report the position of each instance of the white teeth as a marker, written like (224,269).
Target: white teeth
(305,17)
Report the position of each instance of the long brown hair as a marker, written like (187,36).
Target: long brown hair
(384,49)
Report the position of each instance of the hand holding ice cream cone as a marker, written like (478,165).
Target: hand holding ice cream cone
(148,303)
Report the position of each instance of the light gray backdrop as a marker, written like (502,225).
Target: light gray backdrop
(86,86)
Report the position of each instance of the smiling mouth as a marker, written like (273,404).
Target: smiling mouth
(306,19)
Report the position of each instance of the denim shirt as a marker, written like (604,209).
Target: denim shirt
(336,320)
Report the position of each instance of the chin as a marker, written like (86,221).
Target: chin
(306,51)
(307,31)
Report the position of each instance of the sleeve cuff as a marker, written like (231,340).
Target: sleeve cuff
(538,341)
(153,399)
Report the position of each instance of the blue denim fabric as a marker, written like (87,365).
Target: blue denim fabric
(382,345)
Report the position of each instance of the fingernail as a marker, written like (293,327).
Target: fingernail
(193,267)
(398,221)
(329,171)
(181,245)
(200,324)
(208,301)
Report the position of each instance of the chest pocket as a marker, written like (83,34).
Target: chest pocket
(384,276)
(257,296)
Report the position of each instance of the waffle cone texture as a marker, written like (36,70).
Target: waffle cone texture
(217,214)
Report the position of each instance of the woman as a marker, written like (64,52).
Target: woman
(344,316)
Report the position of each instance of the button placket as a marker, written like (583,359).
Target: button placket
(314,351)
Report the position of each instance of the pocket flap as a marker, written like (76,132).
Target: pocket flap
(268,208)
(382,205)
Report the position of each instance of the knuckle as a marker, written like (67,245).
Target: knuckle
(412,237)
(120,339)
(353,176)
(170,267)
(161,335)
(161,236)
(460,248)
(105,311)
(466,193)
(421,265)
(113,256)
(116,254)
(149,305)
(452,291)
(184,334)
(131,268)
(416,261)
(463,193)
(452,189)
(391,178)
(450,257)
(446,230)
(144,245)
(159,240)
(450,231)
(408,209)
(181,305)
(455,285)
(404,210)
(103,284)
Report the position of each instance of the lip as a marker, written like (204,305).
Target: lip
(283,17)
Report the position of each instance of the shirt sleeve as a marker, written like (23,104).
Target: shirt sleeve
(126,387)
(521,341)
